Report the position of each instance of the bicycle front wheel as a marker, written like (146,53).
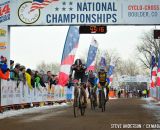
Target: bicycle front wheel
(82,106)
(103,103)
(75,109)
(93,102)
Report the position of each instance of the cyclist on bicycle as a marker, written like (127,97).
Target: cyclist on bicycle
(91,84)
(90,80)
(102,76)
(79,74)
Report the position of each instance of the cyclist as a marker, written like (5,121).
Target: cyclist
(91,80)
(92,84)
(102,76)
(79,74)
(79,70)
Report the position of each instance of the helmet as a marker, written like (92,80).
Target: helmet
(102,68)
(78,62)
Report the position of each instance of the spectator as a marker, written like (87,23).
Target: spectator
(37,80)
(11,68)
(28,78)
(140,93)
(119,94)
(55,78)
(145,93)
(42,81)
(11,64)
(32,78)
(22,75)
(44,77)
(4,71)
(15,74)
(3,64)
(51,79)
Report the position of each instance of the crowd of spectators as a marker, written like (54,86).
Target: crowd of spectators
(20,73)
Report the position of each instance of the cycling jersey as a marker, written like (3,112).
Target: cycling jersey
(102,78)
(91,79)
(79,72)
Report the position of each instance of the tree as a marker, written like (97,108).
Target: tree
(53,67)
(148,46)
(127,67)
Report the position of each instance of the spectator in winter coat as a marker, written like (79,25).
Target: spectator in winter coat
(4,71)
(22,74)
(51,79)
(11,68)
(15,74)
(28,78)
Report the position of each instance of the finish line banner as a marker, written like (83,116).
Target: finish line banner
(76,12)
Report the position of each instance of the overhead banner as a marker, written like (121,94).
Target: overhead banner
(138,78)
(79,12)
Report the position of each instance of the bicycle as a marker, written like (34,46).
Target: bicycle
(93,98)
(102,100)
(78,103)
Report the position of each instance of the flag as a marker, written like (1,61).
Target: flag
(39,4)
(110,71)
(69,51)
(111,68)
(153,60)
(92,55)
(154,76)
(111,79)
(153,71)
(103,60)
(158,73)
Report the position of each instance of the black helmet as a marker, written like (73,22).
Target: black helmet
(78,62)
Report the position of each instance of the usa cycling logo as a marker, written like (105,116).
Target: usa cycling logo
(26,15)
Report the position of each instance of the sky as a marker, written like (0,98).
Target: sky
(32,45)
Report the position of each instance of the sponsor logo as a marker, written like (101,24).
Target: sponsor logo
(3,45)
(26,15)
(4,11)
(2,32)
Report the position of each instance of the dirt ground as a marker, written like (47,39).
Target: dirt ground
(119,112)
